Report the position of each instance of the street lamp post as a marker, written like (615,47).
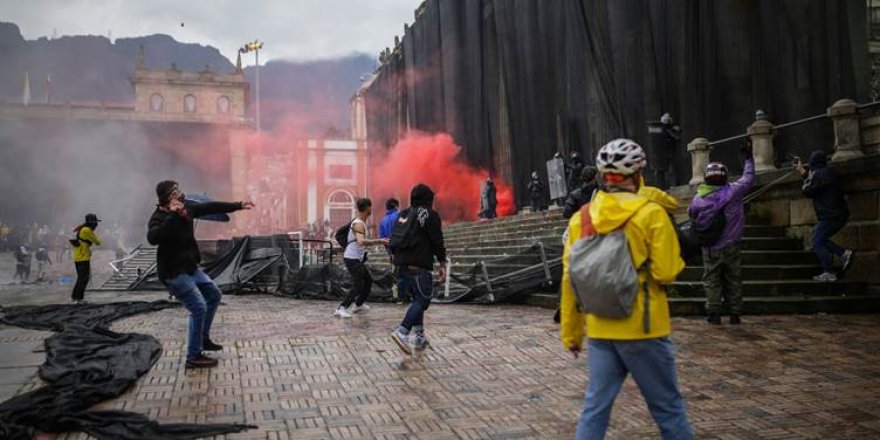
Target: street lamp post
(255,46)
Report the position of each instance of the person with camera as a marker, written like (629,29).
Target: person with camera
(717,210)
(822,185)
(84,238)
(177,260)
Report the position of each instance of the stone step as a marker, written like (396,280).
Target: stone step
(509,240)
(488,234)
(758,272)
(770,257)
(507,227)
(518,218)
(752,305)
(791,287)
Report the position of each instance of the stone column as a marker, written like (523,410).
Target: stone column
(847,136)
(699,149)
(761,132)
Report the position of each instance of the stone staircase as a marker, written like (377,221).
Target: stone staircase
(777,271)
(141,261)
(503,245)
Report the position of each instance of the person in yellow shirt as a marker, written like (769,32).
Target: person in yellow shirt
(82,255)
(638,344)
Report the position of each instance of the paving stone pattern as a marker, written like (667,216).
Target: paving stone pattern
(496,372)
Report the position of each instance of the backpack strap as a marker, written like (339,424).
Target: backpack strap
(587,228)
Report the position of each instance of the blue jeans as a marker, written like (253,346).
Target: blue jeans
(652,365)
(419,285)
(822,244)
(200,296)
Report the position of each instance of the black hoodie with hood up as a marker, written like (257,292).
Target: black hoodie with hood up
(431,240)
(823,186)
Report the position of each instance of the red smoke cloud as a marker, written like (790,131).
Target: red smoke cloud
(434,160)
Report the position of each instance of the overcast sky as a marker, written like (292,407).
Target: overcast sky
(291,29)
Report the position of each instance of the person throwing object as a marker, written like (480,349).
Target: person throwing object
(177,258)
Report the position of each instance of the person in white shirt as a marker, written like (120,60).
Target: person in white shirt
(355,256)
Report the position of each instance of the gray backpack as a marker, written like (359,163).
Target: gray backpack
(602,274)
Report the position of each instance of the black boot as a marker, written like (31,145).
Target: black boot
(734,319)
(714,319)
(209,345)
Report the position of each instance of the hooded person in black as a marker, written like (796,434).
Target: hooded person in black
(822,184)
(415,245)
(177,261)
(583,193)
(489,200)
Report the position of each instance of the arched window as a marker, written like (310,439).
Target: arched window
(340,207)
(189,104)
(223,105)
(157,103)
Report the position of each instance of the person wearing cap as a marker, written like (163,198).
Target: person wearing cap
(85,237)
(722,260)
(177,264)
(822,185)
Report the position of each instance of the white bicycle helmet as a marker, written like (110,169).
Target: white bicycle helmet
(620,156)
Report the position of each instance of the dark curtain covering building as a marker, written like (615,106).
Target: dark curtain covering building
(514,81)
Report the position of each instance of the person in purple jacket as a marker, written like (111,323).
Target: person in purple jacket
(722,277)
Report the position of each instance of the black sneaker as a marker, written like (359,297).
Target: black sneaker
(714,319)
(202,362)
(209,345)
(734,319)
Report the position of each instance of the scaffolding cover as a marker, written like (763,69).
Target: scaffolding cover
(515,82)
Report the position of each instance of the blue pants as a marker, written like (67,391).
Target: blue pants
(652,365)
(200,296)
(419,285)
(822,244)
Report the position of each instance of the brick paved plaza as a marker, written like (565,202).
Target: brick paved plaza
(496,372)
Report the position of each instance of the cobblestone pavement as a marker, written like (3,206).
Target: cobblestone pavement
(496,372)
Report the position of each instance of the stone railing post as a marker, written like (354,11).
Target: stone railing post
(699,149)
(761,132)
(847,135)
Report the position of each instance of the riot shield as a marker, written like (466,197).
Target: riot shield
(556,179)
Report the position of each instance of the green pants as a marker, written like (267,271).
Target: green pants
(722,279)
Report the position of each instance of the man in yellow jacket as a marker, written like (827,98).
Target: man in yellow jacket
(82,255)
(618,347)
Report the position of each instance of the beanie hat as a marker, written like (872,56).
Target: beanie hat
(164,189)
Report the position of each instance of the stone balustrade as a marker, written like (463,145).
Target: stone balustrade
(855,136)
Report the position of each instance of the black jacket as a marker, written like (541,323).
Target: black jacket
(431,240)
(577,198)
(178,251)
(823,186)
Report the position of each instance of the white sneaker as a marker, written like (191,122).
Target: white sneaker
(342,312)
(847,259)
(359,308)
(825,277)
(402,341)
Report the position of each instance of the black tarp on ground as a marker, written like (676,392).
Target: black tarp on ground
(515,81)
(86,364)
(494,281)
(237,267)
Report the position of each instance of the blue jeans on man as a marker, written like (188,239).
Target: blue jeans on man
(419,285)
(200,296)
(652,365)
(822,244)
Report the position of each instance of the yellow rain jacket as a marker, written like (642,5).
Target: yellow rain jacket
(83,252)
(651,237)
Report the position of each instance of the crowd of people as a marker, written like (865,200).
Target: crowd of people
(622,321)
(41,245)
